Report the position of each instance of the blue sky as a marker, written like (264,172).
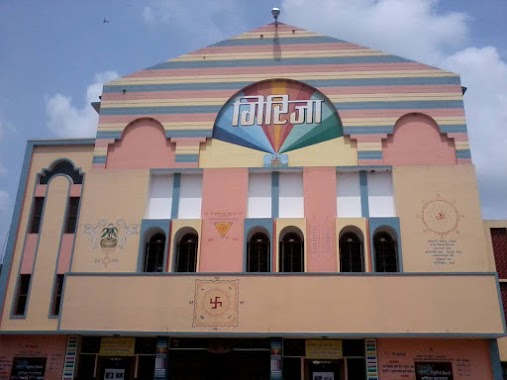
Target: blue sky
(55,54)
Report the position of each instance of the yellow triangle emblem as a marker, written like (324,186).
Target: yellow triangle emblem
(223,228)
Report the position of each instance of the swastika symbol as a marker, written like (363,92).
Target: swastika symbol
(216,302)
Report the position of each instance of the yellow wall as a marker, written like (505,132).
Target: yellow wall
(176,226)
(439,209)
(283,303)
(362,225)
(336,152)
(110,197)
(42,279)
(280,224)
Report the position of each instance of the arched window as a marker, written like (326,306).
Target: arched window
(61,167)
(154,253)
(351,253)
(292,253)
(258,249)
(386,255)
(186,253)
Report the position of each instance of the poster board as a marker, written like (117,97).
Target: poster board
(25,368)
(433,371)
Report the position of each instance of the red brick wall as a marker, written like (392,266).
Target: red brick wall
(499,239)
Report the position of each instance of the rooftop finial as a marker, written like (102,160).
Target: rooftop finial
(275,12)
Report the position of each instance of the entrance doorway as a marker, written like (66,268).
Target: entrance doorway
(115,368)
(325,370)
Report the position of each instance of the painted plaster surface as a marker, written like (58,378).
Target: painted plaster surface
(43,157)
(143,145)
(279,303)
(52,348)
(440,219)
(178,228)
(360,227)
(469,358)
(113,198)
(320,206)
(417,140)
(283,225)
(225,193)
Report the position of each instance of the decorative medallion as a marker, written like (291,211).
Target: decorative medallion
(109,238)
(216,303)
(440,216)
(277,116)
(223,227)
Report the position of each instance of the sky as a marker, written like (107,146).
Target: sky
(55,55)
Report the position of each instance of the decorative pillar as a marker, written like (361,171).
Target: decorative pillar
(276,359)
(371,359)
(161,359)
(69,365)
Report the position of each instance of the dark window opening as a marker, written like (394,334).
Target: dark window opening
(258,256)
(61,167)
(154,253)
(386,257)
(351,253)
(22,294)
(57,295)
(72,211)
(38,207)
(291,253)
(186,253)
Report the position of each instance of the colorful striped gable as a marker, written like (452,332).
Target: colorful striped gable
(370,90)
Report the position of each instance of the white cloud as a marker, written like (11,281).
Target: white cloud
(68,120)
(410,28)
(485,74)
(417,29)
(210,20)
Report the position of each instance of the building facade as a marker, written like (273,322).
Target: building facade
(281,204)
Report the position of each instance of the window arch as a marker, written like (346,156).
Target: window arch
(64,167)
(386,252)
(351,252)
(258,252)
(186,252)
(292,251)
(154,253)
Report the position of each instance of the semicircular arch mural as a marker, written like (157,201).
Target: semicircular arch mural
(277,116)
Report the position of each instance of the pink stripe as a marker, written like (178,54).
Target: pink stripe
(40,190)
(464,161)
(433,112)
(198,72)
(179,118)
(103,143)
(65,253)
(75,190)
(99,166)
(331,47)
(29,253)
(226,94)
(186,165)
(369,162)
(458,136)
(280,26)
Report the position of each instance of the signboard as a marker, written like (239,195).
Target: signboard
(324,349)
(117,346)
(28,369)
(277,116)
(433,371)
(114,374)
(323,376)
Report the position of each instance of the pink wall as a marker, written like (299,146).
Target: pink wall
(469,357)
(143,145)
(417,141)
(51,347)
(224,203)
(65,253)
(29,253)
(320,210)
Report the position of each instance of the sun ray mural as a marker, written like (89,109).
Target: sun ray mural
(277,116)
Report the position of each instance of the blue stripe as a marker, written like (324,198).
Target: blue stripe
(388,129)
(494,355)
(109,135)
(275,192)
(463,153)
(99,159)
(187,158)
(363,188)
(369,155)
(377,105)
(451,79)
(176,195)
(205,64)
(189,133)
(281,41)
